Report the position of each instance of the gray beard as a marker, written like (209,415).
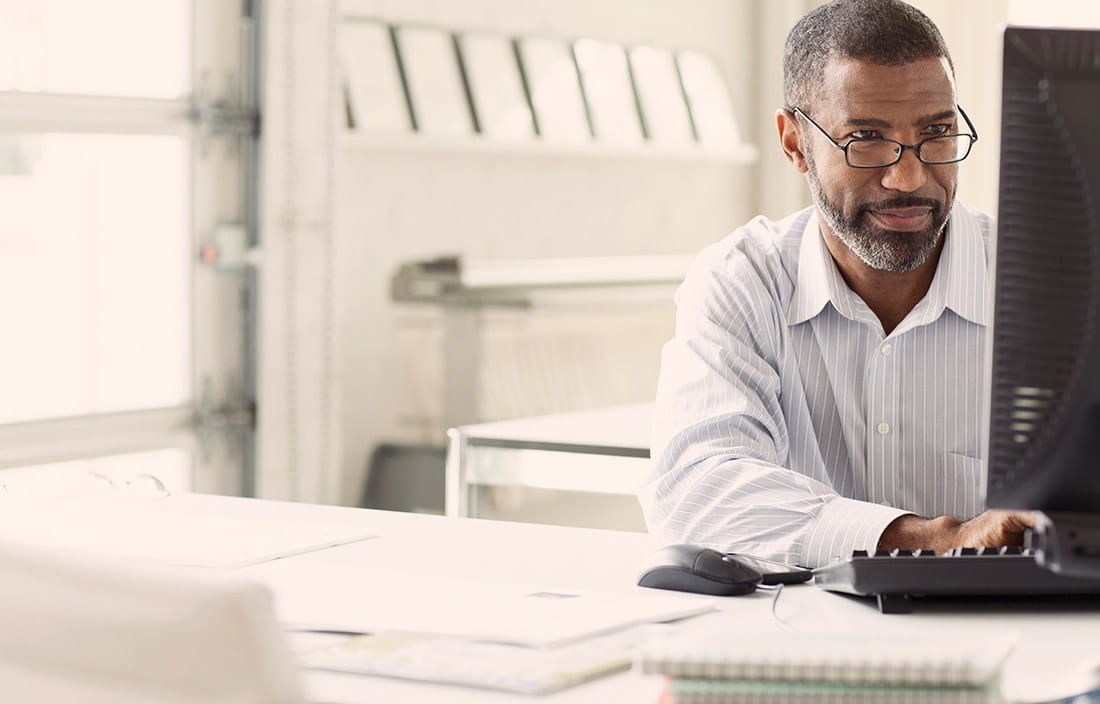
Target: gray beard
(878,248)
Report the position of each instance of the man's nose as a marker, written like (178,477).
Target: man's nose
(908,175)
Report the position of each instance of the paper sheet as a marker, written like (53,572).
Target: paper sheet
(710,100)
(660,96)
(434,81)
(162,529)
(339,597)
(515,668)
(610,94)
(373,80)
(496,87)
(555,90)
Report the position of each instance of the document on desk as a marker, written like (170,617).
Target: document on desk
(338,597)
(166,529)
(473,663)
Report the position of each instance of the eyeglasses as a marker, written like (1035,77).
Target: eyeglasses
(877,153)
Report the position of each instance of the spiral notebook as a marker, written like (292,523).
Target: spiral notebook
(679,691)
(897,660)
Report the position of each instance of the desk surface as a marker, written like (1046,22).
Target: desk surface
(1054,637)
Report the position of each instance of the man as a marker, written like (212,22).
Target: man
(823,391)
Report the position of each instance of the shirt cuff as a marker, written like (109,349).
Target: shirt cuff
(843,525)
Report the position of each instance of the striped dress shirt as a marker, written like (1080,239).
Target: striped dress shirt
(789,425)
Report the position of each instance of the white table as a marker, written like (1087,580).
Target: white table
(604,450)
(1054,639)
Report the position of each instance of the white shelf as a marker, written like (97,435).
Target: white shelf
(740,154)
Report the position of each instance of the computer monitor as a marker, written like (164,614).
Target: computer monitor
(1044,416)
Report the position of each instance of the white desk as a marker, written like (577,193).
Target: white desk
(1054,638)
(605,450)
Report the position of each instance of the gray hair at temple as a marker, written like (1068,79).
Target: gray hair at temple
(883,32)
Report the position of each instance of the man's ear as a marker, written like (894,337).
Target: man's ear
(790,138)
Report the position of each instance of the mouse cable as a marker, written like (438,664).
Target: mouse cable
(778,589)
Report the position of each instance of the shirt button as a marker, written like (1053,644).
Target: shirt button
(886,349)
(883,428)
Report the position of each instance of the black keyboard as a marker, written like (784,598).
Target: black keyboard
(897,576)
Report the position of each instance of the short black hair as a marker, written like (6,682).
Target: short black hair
(883,32)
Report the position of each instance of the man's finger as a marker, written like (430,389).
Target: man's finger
(1022,519)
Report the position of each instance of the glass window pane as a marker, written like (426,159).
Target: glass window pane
(172,467)
(108,47)
(94,274)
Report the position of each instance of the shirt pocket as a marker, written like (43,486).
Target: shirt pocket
(961,485)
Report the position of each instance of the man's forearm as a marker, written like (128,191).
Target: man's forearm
(916,533)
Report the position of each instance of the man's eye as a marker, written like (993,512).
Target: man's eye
(938,129)
(865,134)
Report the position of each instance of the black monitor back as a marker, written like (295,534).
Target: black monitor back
(1044,433)
(1045,402)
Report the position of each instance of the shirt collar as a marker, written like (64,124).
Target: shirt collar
(959,282)
(961,276)
(819,280)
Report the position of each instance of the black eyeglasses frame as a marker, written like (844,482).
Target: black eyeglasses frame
(973,135)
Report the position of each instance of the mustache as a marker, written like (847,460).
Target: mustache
(903,202)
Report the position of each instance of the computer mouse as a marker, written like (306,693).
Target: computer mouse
(701,570)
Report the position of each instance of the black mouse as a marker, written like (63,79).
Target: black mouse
(692,568)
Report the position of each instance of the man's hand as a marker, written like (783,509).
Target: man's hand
(990,529)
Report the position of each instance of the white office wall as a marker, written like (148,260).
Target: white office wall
(1055,13)
(782,189)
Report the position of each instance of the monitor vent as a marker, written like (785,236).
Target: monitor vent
(1046,258)
(1070,51)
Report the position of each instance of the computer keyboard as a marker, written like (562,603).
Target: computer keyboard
(896,576)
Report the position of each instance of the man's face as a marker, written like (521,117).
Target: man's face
(893,217)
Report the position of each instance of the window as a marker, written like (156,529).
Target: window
(119,342)
(95,270)
(75,46)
